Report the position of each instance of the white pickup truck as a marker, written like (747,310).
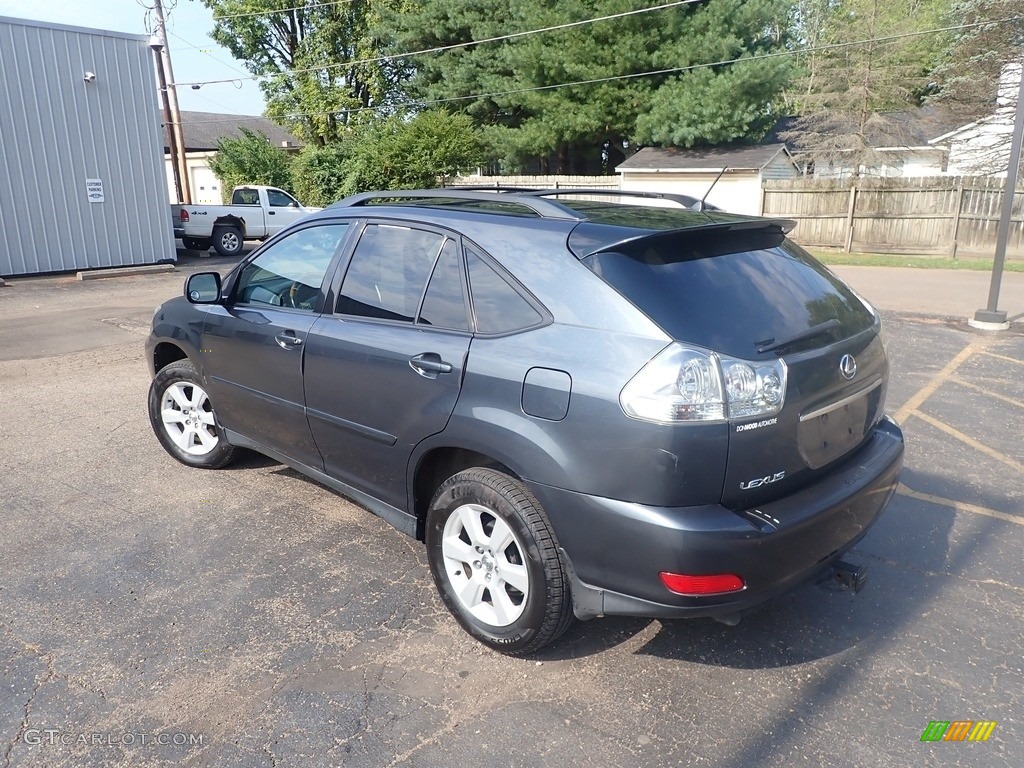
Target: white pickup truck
(255,213)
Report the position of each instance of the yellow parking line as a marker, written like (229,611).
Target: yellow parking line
(963,383)
(991,452)
(936,381)
(959,506)
(1003,357)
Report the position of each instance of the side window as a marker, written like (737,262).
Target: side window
(388,272)
(498,306)
(245,197)
(444,305)
(289,273)
(278,199)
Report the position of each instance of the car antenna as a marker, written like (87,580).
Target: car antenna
(701,205)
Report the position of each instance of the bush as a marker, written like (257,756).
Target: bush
(388,153)
(251,159)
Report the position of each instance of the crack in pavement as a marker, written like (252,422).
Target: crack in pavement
(50,675)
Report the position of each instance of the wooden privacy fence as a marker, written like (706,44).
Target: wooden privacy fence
(942,215)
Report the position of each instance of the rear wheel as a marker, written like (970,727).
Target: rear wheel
(182,416)
(227,240)
(495,562)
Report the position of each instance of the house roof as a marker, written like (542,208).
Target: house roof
(743,158)
(203,130)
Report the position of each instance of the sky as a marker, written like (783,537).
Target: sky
(194,56)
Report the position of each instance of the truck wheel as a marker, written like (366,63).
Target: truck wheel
(495,562)
(196,243)
(227,241)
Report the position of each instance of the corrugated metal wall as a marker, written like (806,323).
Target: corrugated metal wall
(57,131)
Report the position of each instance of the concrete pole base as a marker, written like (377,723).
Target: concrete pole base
(987,320)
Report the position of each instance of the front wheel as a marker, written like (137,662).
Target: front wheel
(182,416)
(494,560)
(227,241)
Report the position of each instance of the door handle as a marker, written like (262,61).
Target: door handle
(271,213)
(288,340)
(429,364)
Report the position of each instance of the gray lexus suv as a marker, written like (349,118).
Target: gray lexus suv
(582,403)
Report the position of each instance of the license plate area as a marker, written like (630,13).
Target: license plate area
(831,431)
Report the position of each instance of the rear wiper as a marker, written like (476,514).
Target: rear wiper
(771,344)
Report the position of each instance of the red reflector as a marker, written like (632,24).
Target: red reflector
(183,215)
(715,584)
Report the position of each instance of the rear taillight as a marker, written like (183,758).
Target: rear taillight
(685,384)
(182,214)
(708,584)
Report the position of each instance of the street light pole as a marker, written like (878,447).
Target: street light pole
(991,318)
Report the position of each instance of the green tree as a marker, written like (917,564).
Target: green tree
(320,172)
(306,58)
(392,152)
(507,86)
(250,159)
(725,103)
(849,96)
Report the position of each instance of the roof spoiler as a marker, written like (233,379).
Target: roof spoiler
(783,226)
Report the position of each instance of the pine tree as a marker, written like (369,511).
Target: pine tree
(860,77)
(511,88)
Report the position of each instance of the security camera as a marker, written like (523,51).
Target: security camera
(90,77)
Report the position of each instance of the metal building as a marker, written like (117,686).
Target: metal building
(81,157)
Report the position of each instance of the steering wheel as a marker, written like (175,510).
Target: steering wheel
(291,296)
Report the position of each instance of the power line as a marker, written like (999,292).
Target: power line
(454,46)
(207,53)
(635,75)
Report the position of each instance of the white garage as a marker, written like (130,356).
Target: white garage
(693,171)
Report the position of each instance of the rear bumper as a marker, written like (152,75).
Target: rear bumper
(616,549)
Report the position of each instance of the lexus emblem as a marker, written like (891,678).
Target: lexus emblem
(848,367)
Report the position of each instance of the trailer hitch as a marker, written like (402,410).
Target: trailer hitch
(843,575)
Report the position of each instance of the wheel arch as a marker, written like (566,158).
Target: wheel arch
(231,221)
(165,353)
(432,466)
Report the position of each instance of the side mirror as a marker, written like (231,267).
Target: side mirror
(203,288)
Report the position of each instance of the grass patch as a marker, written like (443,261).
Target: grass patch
(918,262)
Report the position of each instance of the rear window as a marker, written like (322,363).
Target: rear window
(731,291)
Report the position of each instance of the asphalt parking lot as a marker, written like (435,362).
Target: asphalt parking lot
(155,615)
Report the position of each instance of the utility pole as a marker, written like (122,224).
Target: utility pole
(171,97)
(991,318)
(165,108)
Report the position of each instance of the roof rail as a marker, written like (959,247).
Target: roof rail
(694,203)
(546,209)
(496,187)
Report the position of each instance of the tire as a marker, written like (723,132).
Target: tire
(183,419)
(196,243)
(516,598)
(227,240)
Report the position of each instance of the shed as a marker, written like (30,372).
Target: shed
(693,171)
(83,182)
